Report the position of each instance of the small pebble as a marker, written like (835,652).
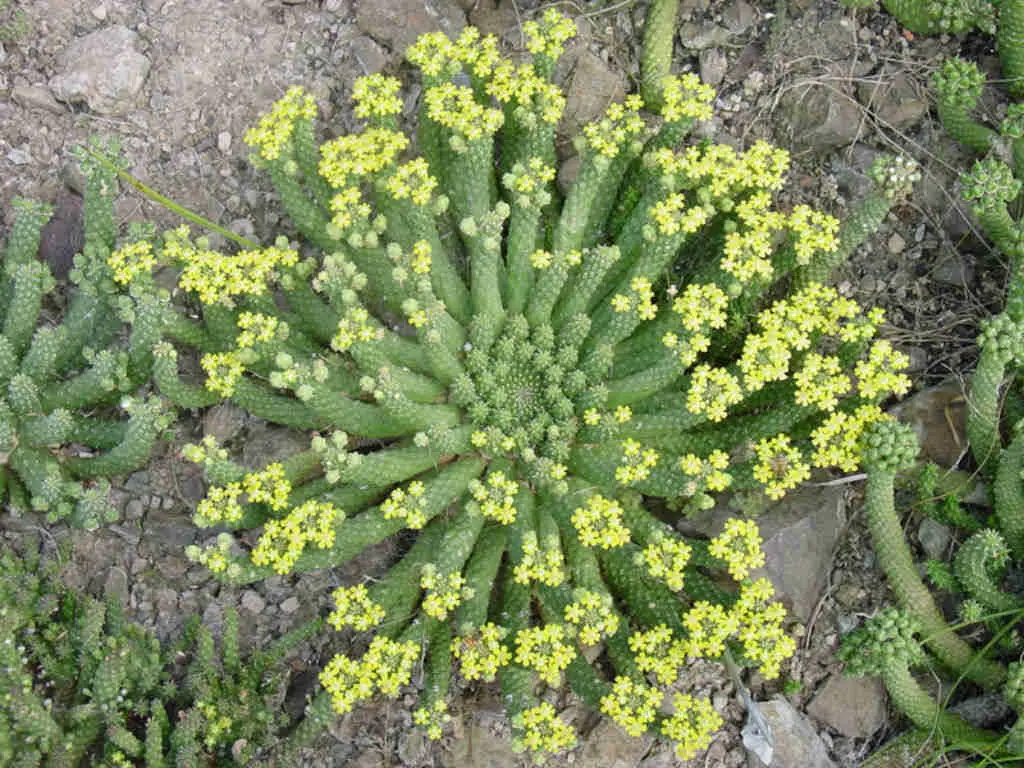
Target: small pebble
(99,12)
(897,243)
(291,605)
(134,509)
(224,142)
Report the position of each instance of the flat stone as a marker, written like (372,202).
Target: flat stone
(291,605)
(116,585)
(739,16)
(104,69)
(939,417)
(818,118)
(371,57)
(934,538)
(253,602)
(894,98)
(609,746)
(713,64)
(853,706)
(480,746)
(36,97)
(897,243)
(224,421)
(397,23)
(797,743)
(697,37)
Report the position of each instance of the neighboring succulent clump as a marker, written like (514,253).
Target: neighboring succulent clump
(979,569)
(506,373)
(54,377)
(83,687)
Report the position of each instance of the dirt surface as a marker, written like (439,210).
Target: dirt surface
(834,86)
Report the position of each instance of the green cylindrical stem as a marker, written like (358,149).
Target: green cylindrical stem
(31,282)
(1008,491)
(165,374)
(983,410)
(264,403)
(913,701)
(523,229)
(480,575)
(965,129)
(100,383)
(1010,40)
(1001,229)
(302,210)
(975,566)
(649,601)
(656,56)
(145,424)
(437,672)
(307,156)
(894,557)
(643,384)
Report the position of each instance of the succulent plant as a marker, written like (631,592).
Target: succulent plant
(506,371)
(54,377)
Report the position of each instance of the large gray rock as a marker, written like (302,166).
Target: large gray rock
(819,118)
(854,707)
(799,534)
(894,98)
(797,743)
(104,69)
(594,86)
(397,23)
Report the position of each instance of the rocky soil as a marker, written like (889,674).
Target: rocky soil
(178,82)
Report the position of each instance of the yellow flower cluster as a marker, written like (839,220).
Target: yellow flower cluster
(215,277)
(665,558)
(632,704)
(130,261)
(544,733)
(284,540)
(708,626)
(496,497)
(544,564)
(455,107)
(623,414)
(219,505)
(354,608)
(533,95)
(258,328)
(739,545)
(274,130)
(433,720)
(760,627)
(215,724)
(765,358)
(723,172)
(215,558)
(674,214)
(712,391)
(815,232)
(355,325)
(349,209)
(359,154)
(686,97)
(376,95)
(621,122)
(780,465)
(700,308)
(547,650)
(269,486)
(880,373)
(691,725)
(530,179)
(821,382)
(636,464)
(444,591)
(593,616)
(747,255)
(386,667)
(836,438)
(223,370)
(407,504)
(657,651)
(479,54)
(412,180)
(206,453)
(481,653)
(599,523)
(417,262)
(709,473)
(547,38)
(641,299)
(432,53)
